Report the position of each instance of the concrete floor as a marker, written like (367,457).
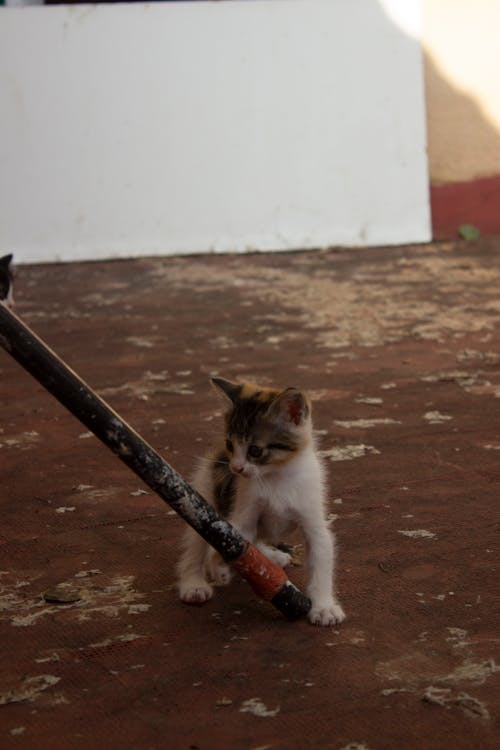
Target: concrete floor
(400,351)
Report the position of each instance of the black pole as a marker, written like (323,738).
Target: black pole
(73,393)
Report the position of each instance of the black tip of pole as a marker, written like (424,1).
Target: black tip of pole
(291,602)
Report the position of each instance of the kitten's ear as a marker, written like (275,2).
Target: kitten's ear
(291,406)
(228,389)
(6,260)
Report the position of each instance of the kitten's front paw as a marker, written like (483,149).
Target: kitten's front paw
(331,614)
(195,592)
(275,555)
(279,557)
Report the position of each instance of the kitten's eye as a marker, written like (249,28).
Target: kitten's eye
(229,446)
(254,451)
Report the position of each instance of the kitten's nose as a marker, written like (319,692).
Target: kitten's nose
(237,468)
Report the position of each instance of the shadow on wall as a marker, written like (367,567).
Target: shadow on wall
(463,148)
(459,138)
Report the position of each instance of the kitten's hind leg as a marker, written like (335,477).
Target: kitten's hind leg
(218,570)
(192,583)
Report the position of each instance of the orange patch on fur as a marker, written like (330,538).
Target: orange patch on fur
(261,393)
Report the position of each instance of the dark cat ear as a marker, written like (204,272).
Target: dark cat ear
(227,388)
(291,406)
(6,277)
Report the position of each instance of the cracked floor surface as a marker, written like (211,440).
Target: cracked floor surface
(399,349)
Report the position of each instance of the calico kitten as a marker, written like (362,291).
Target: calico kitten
(6,294)
(267,480)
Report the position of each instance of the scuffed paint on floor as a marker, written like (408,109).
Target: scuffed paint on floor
(400,351)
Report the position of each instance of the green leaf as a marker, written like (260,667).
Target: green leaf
(469,232)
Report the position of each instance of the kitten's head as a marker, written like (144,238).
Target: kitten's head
(6,280)
(265,428)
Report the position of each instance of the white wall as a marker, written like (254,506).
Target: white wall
(185,127)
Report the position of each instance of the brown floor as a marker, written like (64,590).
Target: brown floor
(400,350)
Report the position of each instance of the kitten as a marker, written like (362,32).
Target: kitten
(267,480)
(6,289)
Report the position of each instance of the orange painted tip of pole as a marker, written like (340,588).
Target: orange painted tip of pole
(265,577)
(269,581)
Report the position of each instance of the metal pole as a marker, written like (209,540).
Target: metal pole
(267,579)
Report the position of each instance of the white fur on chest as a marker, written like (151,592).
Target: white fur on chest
(285,492)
